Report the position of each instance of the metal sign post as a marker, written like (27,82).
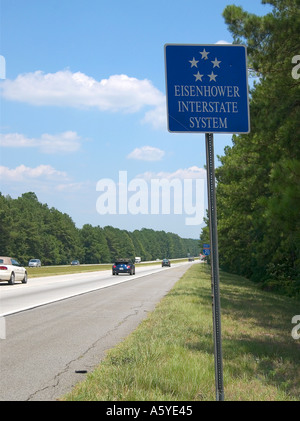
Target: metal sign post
(214,256)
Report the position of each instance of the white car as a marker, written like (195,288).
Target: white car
(11,271)
(34,263)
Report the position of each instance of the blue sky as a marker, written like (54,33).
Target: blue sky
(84,99)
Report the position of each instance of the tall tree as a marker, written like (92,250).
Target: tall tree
(95,248)
(258,194)
(29,229)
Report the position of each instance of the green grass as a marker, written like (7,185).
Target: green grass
(63,270)
(170,355)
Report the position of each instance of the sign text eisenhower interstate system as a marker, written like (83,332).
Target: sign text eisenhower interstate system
(207,88)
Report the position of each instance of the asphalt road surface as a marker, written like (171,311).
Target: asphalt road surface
(48,347)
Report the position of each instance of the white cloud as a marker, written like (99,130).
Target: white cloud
(23,173)
(71,187)
(42,179)
(146,153)
(157,117)
(221,41)
(182,174)
(59,143)
(118,93)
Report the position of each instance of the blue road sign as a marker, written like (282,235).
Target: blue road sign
(207,88)
(206,249)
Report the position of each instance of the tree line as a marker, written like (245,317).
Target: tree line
(258,181)
(30,229)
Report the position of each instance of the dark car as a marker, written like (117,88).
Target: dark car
(166,262)
(123,266)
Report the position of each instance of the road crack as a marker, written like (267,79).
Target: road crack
(84,368)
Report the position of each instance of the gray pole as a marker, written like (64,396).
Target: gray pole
(209,140)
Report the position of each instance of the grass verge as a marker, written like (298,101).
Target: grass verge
(64,270)
(170,357)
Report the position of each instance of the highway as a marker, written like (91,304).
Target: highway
(44,290)
(58,328)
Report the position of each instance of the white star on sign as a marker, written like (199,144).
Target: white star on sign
(194,62)
(216,62)
(212,76)
(198,76)
(204,54)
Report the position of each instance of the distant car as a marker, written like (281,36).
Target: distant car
(34,263)
(191,259)
(166,262)
(75,262)
(11,271)
(123,266)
